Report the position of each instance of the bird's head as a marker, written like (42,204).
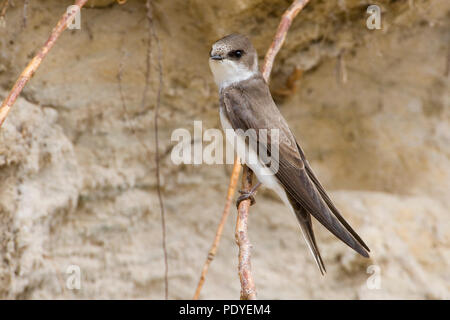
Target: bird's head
(233,59)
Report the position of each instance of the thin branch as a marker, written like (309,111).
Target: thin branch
(266,69)
(34,64)
(248,291)
(158,175)
(280,35)
(226,210)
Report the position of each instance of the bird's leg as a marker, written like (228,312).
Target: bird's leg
(248,195)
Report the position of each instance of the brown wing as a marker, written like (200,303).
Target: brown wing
(328,201)
(304,218)
(249,105)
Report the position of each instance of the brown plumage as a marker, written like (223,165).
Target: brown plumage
(247,104)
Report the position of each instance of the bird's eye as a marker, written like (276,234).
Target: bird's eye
(236,54)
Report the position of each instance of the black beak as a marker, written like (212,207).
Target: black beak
(216,57)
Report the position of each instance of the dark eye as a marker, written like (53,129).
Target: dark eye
(236,53)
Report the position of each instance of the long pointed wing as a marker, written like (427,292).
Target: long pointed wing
(252,107)
(328,201)
(304,218)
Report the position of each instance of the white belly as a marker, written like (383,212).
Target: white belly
(264,175)
(262,172)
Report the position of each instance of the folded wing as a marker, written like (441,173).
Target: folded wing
(252,107)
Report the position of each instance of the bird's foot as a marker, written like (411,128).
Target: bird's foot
(245,195)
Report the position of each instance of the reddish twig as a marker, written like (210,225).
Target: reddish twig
(226,210)
(244,251)
(248,291)
(280,35)
(34,64)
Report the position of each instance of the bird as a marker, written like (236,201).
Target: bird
(246,104)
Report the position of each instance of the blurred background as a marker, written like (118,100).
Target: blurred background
(371,109)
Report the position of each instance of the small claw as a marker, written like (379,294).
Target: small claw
(245,195)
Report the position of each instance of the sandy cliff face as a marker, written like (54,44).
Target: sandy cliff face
(77,185)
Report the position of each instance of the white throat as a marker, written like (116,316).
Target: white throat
(227,72)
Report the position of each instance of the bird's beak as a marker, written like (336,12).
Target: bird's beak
(216,57)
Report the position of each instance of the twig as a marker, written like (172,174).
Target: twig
(277,42)
(226,210)
(158,175)
(34,64)
(280,35)
(248,291)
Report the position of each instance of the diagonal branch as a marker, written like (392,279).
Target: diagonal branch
(245,275)
(34,64)
(280,35)
(226,211)
(248,291)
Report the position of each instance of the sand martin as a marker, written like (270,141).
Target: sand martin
(246,103)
